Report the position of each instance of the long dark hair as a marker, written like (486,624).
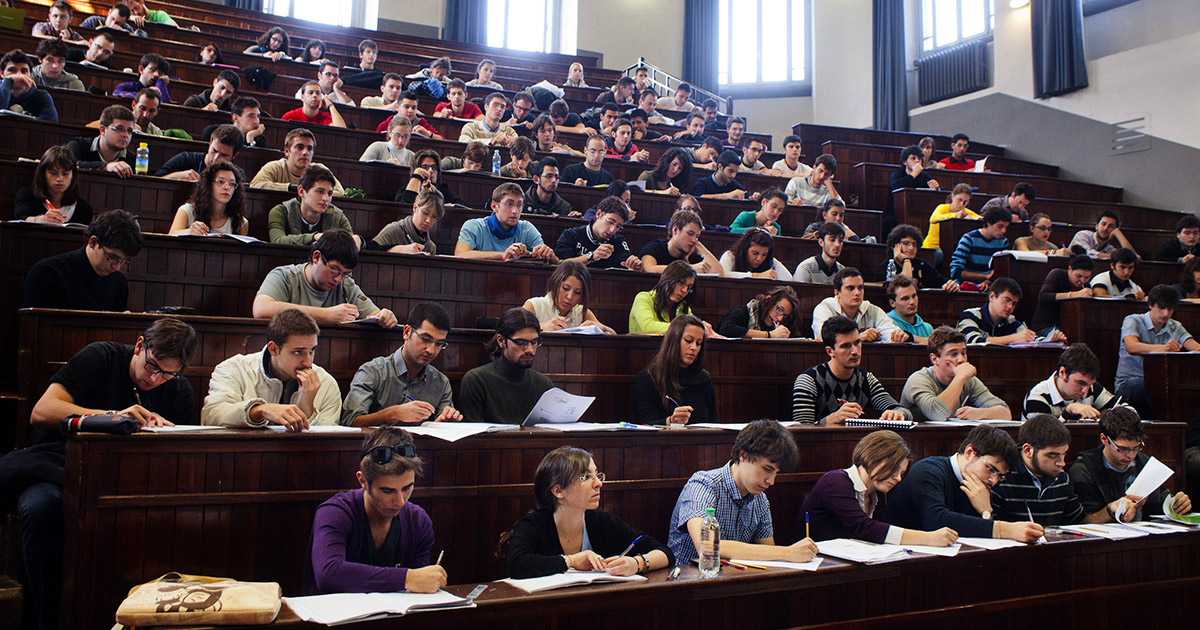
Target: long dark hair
(569,269)
(216,49)
(741,250)
(202,199)
(264,42)
(674,274)
(58,156)
(665,367)
(767,302)
(659,174)
(306,57)
(1188,278)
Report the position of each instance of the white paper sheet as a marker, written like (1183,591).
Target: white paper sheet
(180,428)
(949,552)
(340,607)
(1153,475)
(570,578)
(578,426)
(317,428)
(811,565)
(578,330)
(990,543)
(455,431)
(860,551)
(557,406)
(1111,531)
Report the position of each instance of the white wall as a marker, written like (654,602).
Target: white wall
(427,12)
(624,30)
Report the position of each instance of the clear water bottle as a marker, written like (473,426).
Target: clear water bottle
(496,163)
(710,544)
(891,270)
(143,159)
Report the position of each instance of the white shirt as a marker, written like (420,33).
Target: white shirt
(869,316)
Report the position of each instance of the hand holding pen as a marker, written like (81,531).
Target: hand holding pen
(680,415)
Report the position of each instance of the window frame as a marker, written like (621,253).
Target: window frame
(987,34)
(759,88)
(360,10)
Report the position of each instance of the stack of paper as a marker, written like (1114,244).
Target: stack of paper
(1151,527)
(1111,531)
(558,407)
(570,578)
(455,431)
(342,607)
(989,543)
(579,330)
(861,551)
(811,565)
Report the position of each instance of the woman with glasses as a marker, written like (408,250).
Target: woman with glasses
(672,174)
(274,44)
(675,389)
(506,389)
(850,502)
(1039,238)
(753,256)
(215,206)
(772,315)
(565,304)
(568,530)
(373,539)
(653,310)
(54,195)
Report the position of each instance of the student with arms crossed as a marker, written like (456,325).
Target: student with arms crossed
(589,172)
(250,390)
(153,71)
(685,228)
(675,388)
(790,165)
(994,322)
(753,255)
(568,530)
(954,491)
(142,382)
(299,147)
(737,493)
(848,302)
(1041,487)
(457,105)
(851,502)
(506,390)
(49,73)
(1152,331)
(59,23)
(1102,475)
(404,387)
(373,539)
(565,304)
(88,278)
(489,129)
(599,244)
(310,111)
(911,174)
(389,97)
(1073,391)
(771,315)
(503,235)
(321,288)
(904,299)
(838,390)
(949,389)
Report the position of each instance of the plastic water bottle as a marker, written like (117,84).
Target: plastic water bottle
(891,270)
(143,159)
(710,544)
(496,163)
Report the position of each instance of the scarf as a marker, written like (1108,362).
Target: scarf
(493,225)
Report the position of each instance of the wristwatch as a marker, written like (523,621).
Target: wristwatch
(590,254)
(986,515)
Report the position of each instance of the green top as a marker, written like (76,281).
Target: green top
(286,225)
(747,220)
(159,17)
(643,320)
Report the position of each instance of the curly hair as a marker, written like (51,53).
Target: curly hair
(202,197)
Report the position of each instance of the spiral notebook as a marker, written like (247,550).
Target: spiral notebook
(880,422)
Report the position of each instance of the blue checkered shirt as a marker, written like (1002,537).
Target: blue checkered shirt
(743,519)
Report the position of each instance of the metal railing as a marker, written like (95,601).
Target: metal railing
(665,83)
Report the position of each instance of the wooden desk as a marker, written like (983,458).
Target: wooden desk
(870,181)
(848,154)
(818,135)
(240,503)
(1172,384)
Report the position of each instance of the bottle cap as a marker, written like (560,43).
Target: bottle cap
(142,145)
(710,511)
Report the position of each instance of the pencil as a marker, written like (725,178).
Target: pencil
(806,525)
(439,560)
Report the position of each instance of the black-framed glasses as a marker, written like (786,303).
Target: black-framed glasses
(384,454)
(427,340)
(525,343)
(153,369)
(114,259)
(1128,450)
(992,470)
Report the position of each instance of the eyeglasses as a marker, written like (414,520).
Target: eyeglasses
(779,310)
(525,343)
(1127,450)
(125,131)
(1043,228)
(153,369)
(692,208)
(427,340)
(613,222)
(992,470)
(114,259)
(329,74)
(226,183)
(589,476)
(384,454)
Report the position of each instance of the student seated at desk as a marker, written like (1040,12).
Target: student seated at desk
(823,267)
(59,23)
(1038,240)
(373,539)
(599,244)
(1188,286)
(994,322)
(904,300)
(153,71)
(771,315)
(675,388)
(949,389)
(224,145)
(568,530)
(1141,333)
(1073,391)
(53,196)
(88,278)
(736,491)
(684,244)
(299,147)
(412,234)
(832,211)
(671,174)
(1040,489)
(502,235)
(506,389)
(1061,284)
(303,219)
(403,387)
(753,255)
(395,148)
(1186,244)
(279,385)
(954,491)
(219,96)
(273,44)
(838,390)
(848,302)
(772,204)
(216,204)
(1118,280)
(565,304)
(851,502)
(904,242)
(426,172)
(653,310)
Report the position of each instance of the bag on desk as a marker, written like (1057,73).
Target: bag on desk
(99,423)
(176,599)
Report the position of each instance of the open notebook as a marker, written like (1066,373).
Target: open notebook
(570,578)
(342,607)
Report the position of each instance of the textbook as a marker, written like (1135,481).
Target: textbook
(568,579)
(880,422)
(342,607)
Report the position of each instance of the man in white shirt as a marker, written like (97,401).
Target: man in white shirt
(848,301)
(679,102)
(790,165)
(817,187)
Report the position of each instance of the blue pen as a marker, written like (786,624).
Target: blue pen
(410,398)
(673,401)
(628,425)
(630,547)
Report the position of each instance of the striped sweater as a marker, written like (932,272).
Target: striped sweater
(974,253)
(1015,498)
(816,392)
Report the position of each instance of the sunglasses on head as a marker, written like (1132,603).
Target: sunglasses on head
(383,454)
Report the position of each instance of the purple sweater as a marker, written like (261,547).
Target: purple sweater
(341,548)
(833,511)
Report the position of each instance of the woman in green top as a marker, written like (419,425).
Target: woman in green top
(653,311)
(767,217)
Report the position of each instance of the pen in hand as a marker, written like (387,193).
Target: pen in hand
(439,560)
(630,547)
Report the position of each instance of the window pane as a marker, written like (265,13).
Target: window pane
(745,45)
(548,31)
(568,37)
(723,43)
(320,11)
(926,24)
(774,43)
(946,22)
(799,39)
(495,23)
(279,7)
(974,20)
(527,25)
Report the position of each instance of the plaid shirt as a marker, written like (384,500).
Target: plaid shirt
(745,519)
